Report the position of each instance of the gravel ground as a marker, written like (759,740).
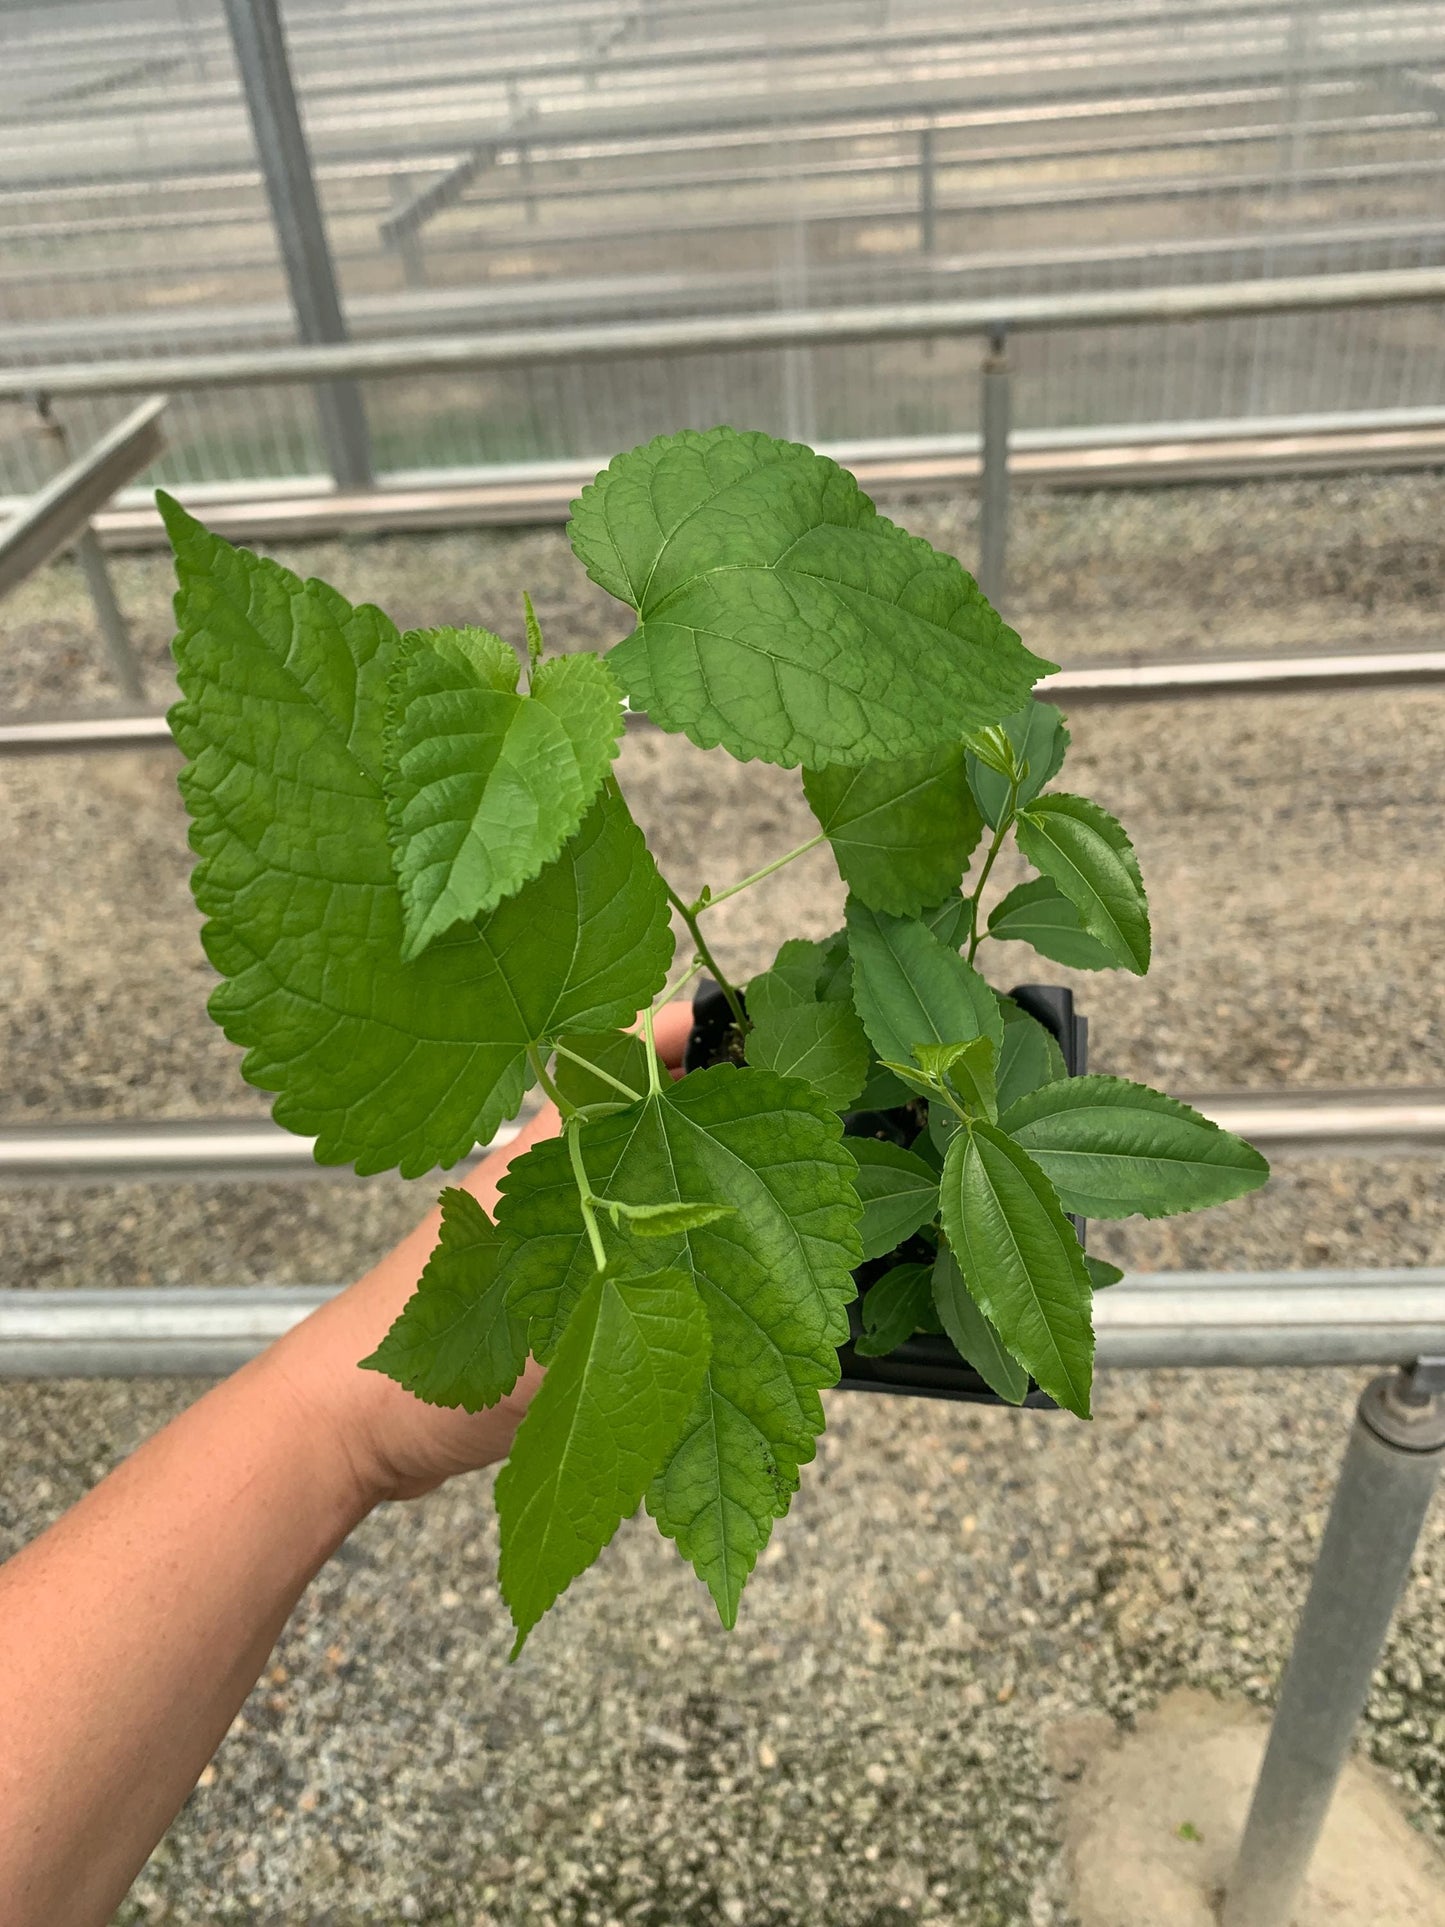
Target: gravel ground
(870,1747)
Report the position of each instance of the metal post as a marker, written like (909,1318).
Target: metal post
(93,566)
(408,236)
(300,232)
(1384,1490)
(927,192)
(993,506)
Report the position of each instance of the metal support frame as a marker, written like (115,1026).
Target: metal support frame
(401,228)
(927,193)
(285,159)
(994,409)
(1160,1321)
(407,240)
(1385,1486)
(59,518)
(1280,673)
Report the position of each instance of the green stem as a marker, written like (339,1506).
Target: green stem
(654,1074)
(694,969)
(597,1071)
(584,1193)
(549,1089)
(689,916)
(757,876)
(1005,824)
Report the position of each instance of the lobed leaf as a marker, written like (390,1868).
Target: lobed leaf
(456,1341)
(894,1308)
(911,988)
(902,833)
(974,1339)
(898,1190)
(1113,1149)
(1021,1258)
(485,785)
(1038,913)
(1086,853)
(384,1062)
(775,1277)
(1039,737)
(780,615)
(605,1417)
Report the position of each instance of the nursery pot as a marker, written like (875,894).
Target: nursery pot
(926,1365)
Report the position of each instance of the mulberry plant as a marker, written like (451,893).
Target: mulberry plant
(425,896)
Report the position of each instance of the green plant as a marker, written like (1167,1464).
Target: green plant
(425,895)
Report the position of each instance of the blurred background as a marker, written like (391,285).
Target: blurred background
(960,1592)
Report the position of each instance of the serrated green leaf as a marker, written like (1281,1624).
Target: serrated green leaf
(902,833)
(894,1307)
(621,1053)
(1101,1273)
(611,1408)
(910,988)
(485,785)
(1038,913)
(835,976)
(884,1090)
(1092,861)
(780,615)
(661,1220)
(1021,1258)
(967,1070)
(775,1278)
(898,1190)
(1030,1055)
(383,1062)
(1113,1149)
(789,981)
(821,1043)
(974,1339)
(1039,737)
(950,921)
(455,1341)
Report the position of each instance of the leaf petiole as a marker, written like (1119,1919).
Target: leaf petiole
(689,916)
(596,1070)
(709,901)
(654,1075)
(549,1089)
(1005,824)
(584,1192)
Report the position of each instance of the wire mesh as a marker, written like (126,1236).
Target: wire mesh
(576,160)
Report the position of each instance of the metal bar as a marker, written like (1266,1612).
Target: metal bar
(61,512)
(731,334)
(1385,1486)
(1257,1319)
(413,211)
(113,626)
(281,148)
(408,242)
(1331,1124)
(927,193)
(1273,675)
(993,496)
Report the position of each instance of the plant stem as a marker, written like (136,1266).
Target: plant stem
(549,1089)
(679,987)
(1005,824)
(597,1071)
(584,1193)
(689,917)
(654,1076)
(757,876)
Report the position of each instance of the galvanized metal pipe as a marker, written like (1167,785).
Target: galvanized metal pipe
(994,411)
(1273,675)
(1165,1320)
(731,334)
(1385,1486)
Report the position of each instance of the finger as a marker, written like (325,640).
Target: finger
(670,1031)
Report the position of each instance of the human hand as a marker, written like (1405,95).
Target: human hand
(394,1445)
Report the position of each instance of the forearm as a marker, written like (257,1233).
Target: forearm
(133,1630)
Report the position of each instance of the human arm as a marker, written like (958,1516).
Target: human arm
(133,1629)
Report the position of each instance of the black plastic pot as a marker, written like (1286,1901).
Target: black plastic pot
(924,1366)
